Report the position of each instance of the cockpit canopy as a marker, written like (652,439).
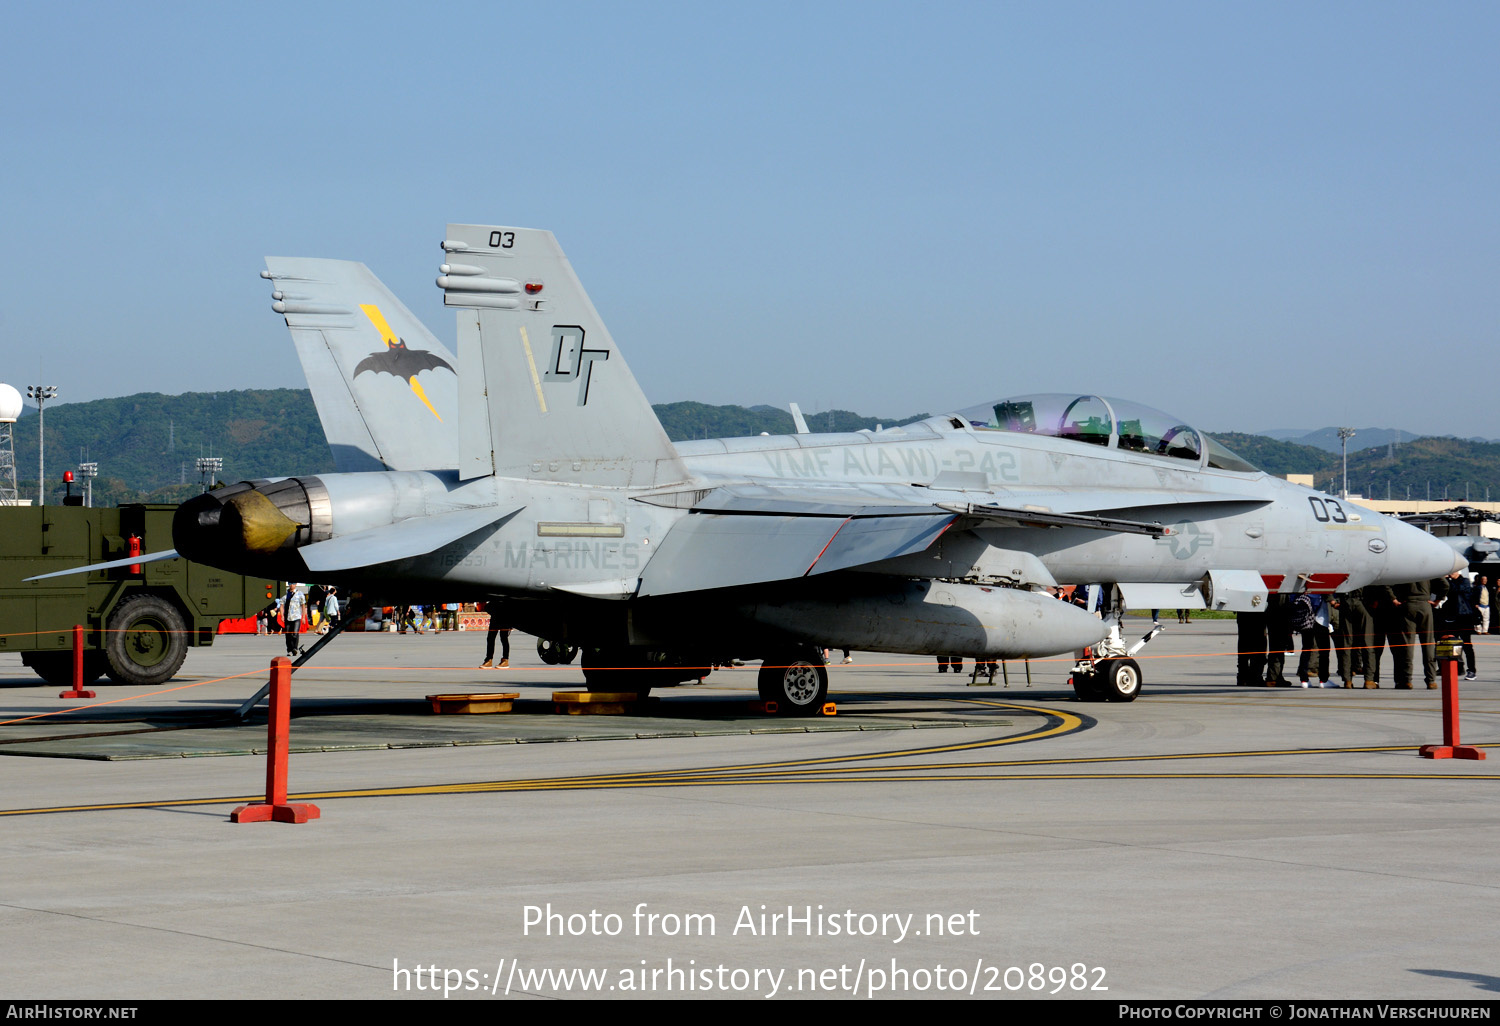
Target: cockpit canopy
(1114,423)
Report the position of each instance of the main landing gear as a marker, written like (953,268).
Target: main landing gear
(796,680)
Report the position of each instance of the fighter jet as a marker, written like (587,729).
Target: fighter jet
(561,498)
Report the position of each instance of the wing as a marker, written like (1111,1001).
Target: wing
(754,534)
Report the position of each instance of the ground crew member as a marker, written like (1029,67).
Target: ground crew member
(1251,665)
(1351,635)
(1387,626)
(1417,626)
(1279,640)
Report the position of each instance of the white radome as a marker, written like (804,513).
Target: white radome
(10,404)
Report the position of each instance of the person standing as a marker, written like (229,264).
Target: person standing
(410,616)
(1418,604)
(294,608)
(1455,615)
(489,641)
(1251,662)
(1351,635)
(1388,627)
(330,610)
(1481,603)
(1312,622)
(1279,640)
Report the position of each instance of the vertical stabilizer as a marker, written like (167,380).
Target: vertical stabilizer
(386,389)
(544,394)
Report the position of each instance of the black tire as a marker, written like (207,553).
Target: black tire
(617,671)
(797,682)
(57,667)
(1120,680)
(146,641)
(1086,687)
(555,653)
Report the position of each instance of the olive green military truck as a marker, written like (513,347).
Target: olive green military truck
(138,621)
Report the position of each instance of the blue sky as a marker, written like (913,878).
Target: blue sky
(1252,215)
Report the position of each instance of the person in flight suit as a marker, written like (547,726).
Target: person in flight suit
(1351,635)
(1387,626)
(1279,641)
(1418,627)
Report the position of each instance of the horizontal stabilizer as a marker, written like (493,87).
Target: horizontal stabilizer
(405,539)
(114,564)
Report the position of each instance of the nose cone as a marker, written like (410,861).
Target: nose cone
(1414,555)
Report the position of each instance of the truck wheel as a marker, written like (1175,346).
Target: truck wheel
(146,641)
(796,682)
(57,667)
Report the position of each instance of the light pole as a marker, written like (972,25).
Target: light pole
(1344,435)
(208,467)
(88,471)
(41,393)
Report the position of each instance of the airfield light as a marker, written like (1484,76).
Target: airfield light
(41,393)
(209,467)
(88,471)
(1345,433)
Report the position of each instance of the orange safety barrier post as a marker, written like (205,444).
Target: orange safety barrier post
(77,690)
(1448,656)
(278,730)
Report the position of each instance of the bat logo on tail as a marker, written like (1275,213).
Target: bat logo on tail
(397,359)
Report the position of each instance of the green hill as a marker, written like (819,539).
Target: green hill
(147,445)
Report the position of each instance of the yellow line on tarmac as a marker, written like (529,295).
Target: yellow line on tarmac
(825,770)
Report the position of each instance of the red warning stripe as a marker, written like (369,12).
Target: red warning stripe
(1325,584)
(1317,584)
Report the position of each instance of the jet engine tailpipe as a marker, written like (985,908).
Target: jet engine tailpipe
(254,527)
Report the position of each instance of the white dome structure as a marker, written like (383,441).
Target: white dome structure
(10,404)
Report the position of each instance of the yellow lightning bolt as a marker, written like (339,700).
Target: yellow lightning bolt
(389,337)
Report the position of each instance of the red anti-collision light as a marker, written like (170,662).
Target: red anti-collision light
(68,476)
(533,287)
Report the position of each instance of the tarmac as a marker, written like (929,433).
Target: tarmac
(932,839)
